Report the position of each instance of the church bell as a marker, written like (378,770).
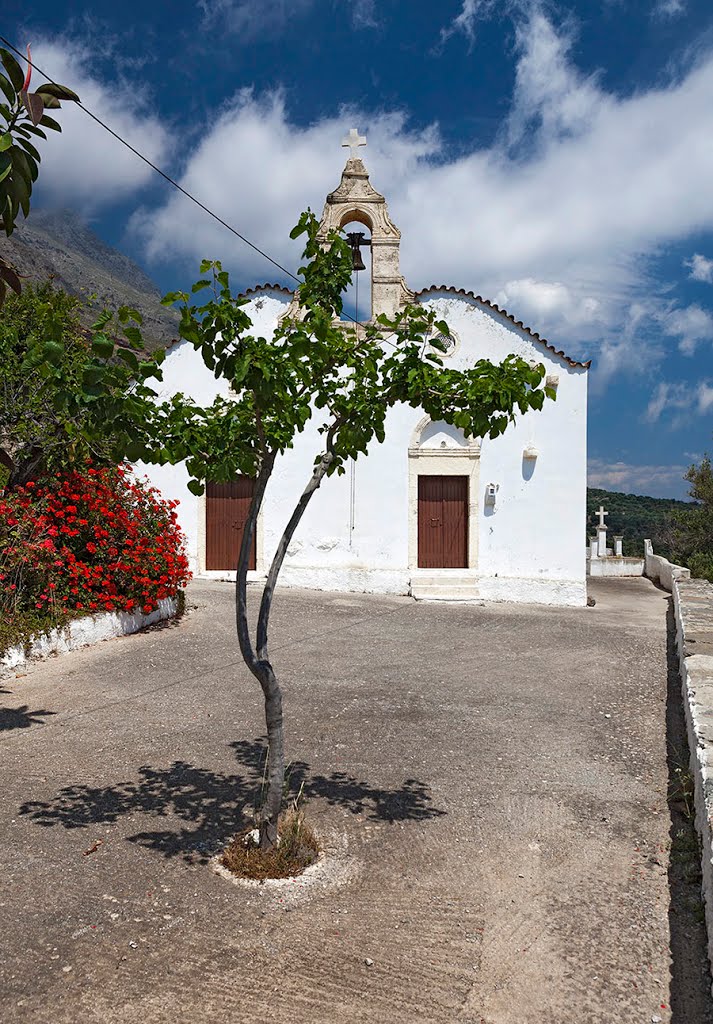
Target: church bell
(356,239)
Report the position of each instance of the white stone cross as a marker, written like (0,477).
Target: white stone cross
(601,513)
(353,140)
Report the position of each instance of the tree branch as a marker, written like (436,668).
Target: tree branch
(315,480)
(241,572)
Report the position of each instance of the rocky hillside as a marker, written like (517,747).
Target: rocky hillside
(58,244)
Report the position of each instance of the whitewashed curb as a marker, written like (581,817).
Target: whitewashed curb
(90,629)
(693,606)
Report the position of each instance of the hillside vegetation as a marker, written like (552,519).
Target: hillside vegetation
(635,517)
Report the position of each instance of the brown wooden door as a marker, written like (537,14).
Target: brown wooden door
(226,511)
(443,522)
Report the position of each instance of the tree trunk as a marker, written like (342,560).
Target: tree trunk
(259,664)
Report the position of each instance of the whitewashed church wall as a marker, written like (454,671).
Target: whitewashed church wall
(534,531)
(355,536)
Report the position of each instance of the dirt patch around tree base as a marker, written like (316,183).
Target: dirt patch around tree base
(334,867)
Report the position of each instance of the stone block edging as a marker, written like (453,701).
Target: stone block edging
(660,570)
(90,629)
(693,608)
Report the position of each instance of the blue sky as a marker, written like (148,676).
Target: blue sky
(557,159)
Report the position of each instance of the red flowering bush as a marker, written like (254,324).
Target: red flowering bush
(90,541)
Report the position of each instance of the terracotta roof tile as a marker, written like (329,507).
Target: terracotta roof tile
(504,313)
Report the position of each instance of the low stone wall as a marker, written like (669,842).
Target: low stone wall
(660,570)
(615,566)
(88,630)
(693,605)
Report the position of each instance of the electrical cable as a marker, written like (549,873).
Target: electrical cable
(171,180)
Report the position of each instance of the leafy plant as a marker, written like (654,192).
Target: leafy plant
(23,113)
(87,541)
(48,361)
(693,525)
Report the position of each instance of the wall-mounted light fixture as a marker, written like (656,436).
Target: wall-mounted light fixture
(530,452)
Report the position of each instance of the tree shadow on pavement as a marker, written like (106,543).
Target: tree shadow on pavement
(212,806)
(21,718)
(690,992)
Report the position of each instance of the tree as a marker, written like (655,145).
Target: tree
(693,527)
(40,427)
(314,366)
(25,118)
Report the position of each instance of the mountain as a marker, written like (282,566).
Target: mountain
(635,517)
(58,244)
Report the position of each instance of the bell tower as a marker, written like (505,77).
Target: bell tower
(356,200)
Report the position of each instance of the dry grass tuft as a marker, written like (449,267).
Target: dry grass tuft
(298,848)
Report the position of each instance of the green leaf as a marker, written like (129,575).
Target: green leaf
(195,487)
(129,357)
(14,71)
(35,131)
(134,337)
(28,147)
(102,320)
(8,90)
(60,92)
(49,122)
(53,352)
(50,103)
(200,285)
(102,346)
(5,142)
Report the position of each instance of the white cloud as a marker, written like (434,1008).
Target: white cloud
(681,398)
(548,302)
(701,268)
(471,12)
(655,481)
(364,14)
(668,8)
(84,166)
(691,325)
(557,216)
(248,19)
(555,219)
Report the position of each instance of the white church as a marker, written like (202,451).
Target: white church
(428,513)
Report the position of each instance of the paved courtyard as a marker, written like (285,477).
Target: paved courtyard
(490,783)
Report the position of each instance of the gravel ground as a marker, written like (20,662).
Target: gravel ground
(490,784)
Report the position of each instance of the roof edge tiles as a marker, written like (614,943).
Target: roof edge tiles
(508,316)
(265,288)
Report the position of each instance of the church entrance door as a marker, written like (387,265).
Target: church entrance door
(226,512)
(443,522)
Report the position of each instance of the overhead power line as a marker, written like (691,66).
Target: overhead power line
(166,177)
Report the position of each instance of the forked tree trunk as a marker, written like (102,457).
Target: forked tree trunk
(259,663)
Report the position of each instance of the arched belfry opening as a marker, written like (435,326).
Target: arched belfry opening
(357,298)
(356,206)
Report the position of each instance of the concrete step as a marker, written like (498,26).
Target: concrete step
(445,585)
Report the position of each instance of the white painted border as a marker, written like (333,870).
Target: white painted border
(90,629)
(693,610)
